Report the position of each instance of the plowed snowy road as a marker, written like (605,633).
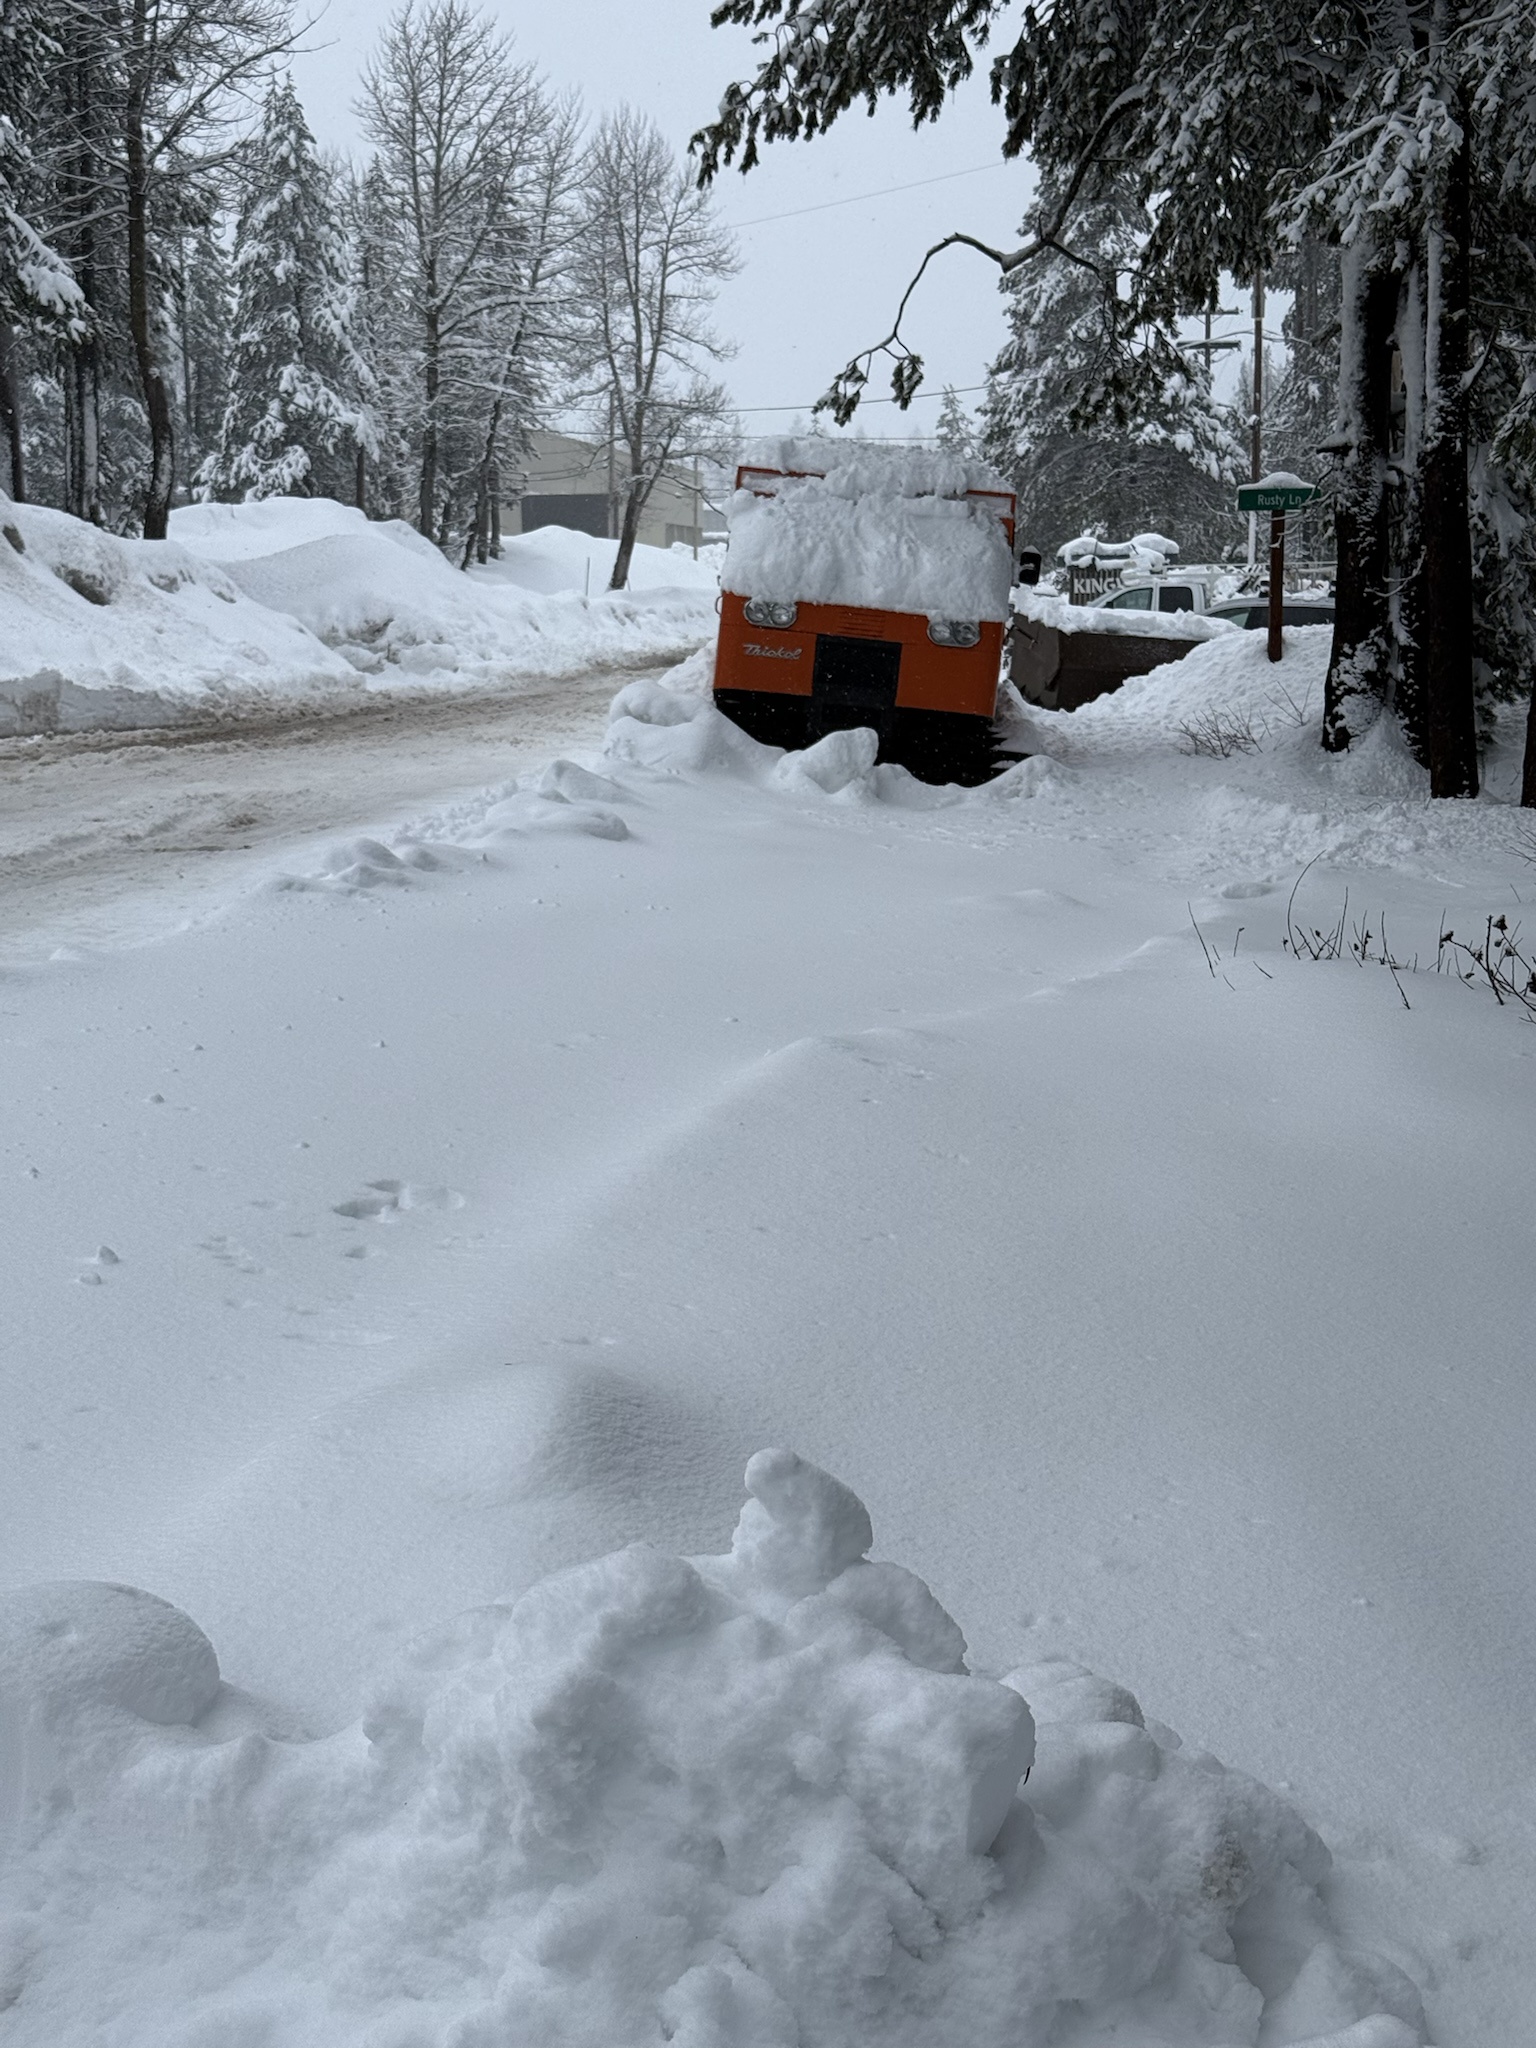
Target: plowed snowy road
(96,828)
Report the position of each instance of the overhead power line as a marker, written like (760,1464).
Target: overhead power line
(957,388)
(858,198)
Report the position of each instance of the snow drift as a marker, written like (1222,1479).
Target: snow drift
(671,727)
(306,603)
(554,558)
(384,607)
(96,631)
(265,526)
(547,561)
(746,1801)
(387,600)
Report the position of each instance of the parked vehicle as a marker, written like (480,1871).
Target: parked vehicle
(1253,612)
(1157,594)
(871,592)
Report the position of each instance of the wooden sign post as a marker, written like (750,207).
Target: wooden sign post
(1276,495)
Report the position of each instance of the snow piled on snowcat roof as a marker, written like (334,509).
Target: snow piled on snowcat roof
(883,529)
(858,469)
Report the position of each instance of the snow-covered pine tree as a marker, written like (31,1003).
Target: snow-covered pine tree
(1301,405)
(296,410)
(956,430)
(1096,425)
(38,291)
(382,333)
(87,444)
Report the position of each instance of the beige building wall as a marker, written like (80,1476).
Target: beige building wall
(560,467)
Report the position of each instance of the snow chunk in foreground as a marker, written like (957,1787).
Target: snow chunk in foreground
(752,1801)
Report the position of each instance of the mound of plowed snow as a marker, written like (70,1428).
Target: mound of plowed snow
(554,558)
(383,606)
(100,631)
(265,526)
(748,1801)
(284,600)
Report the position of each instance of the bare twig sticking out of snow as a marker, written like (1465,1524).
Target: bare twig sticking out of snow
(1205,949)
(1221,734)
(1497,959)
(1359,941)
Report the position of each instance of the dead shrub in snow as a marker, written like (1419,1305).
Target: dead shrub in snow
(1360,941)
(1290,709)
(1497,960)
(1221,734)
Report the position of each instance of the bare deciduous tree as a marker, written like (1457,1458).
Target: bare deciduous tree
(463,136)
(645,271)
(535,328)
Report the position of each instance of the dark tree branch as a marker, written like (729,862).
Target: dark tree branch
(841,398)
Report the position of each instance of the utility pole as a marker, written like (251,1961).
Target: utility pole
(1208,347)
(698,508)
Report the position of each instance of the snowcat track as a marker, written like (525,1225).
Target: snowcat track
(935,746)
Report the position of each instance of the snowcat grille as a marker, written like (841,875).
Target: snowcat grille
(860,674)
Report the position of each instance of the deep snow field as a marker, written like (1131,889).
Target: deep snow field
(408,1250)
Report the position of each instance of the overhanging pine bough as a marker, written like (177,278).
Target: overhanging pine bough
(1221,120)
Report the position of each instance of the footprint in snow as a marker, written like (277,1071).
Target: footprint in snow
(229,1253)
(93,1269)
(389,1197)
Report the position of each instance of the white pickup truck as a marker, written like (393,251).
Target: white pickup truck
(1173,593)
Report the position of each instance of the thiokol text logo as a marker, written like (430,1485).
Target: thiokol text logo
(771,653)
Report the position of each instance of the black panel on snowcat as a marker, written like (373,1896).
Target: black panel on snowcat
(856,673)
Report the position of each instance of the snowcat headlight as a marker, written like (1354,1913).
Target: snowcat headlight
(763,611)
(954,632)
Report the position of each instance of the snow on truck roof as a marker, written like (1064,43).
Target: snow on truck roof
(885,529)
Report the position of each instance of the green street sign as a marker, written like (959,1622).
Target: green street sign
(1265,496)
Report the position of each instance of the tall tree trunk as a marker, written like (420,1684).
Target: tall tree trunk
(1528,780)
(157,400)
(1410,690)
(478,544)
(1446,596)
(360,478)
(432,375)
(82,432)
(1358,665)
(628,528)
(72,377)
(10,413)
(90,435)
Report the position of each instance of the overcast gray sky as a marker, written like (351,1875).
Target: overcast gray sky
(815,286)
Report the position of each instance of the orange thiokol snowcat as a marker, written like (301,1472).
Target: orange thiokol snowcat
(869,587)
